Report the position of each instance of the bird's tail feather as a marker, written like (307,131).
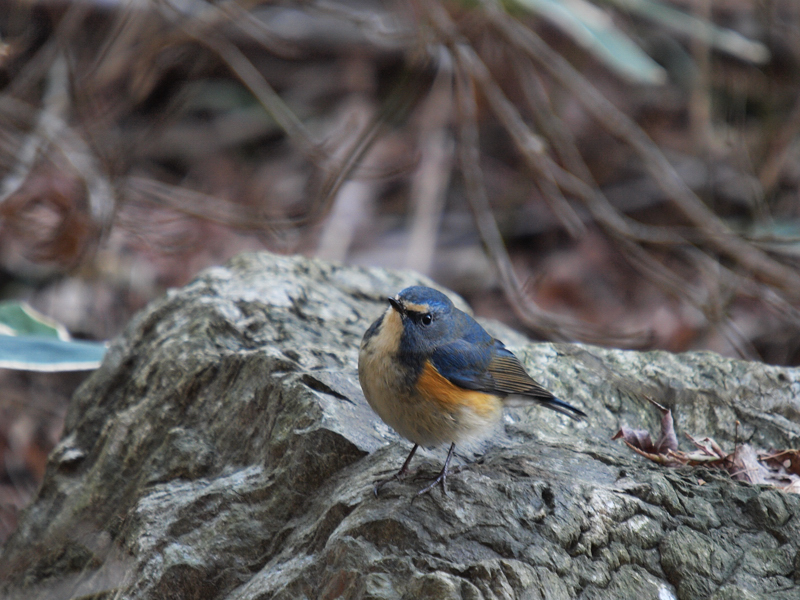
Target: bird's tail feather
(564,408)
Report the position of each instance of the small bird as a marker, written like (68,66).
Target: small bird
(434,375)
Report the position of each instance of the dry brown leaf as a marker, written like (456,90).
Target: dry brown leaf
(664,450)
(788,460)
(667,440)
(780,469)
(709,447)
(784,468)
(638,439)
(746,467)
(668,459)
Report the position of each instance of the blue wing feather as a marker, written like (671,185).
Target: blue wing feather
(476,361)
(464,364)
(465,361)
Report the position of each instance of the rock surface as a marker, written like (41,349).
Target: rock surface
(225,450)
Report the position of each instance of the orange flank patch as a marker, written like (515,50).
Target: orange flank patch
(435,387)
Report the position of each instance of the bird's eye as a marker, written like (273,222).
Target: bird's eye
(426,319)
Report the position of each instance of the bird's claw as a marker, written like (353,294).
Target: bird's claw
(440,479)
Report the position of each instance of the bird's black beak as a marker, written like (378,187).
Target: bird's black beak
(397,306)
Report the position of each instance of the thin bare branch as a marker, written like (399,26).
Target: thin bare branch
(716,233)
(246,72)
(51,132)
(337,171)
(780,150)
(552,176)
(430,181)
(555,326)
(194,204)
(526,141)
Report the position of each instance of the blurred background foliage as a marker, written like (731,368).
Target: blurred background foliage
(621,172)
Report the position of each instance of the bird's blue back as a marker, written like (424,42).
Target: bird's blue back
(464,353)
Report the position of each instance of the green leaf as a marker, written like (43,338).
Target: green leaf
(29,341)
(39,353)
(17,318)
(593,29)
(720,38)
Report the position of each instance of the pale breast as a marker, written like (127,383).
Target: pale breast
(381,377)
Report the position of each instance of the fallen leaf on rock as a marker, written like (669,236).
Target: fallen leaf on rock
(746,466)
(667,441)
(784,468)
(708,452)
(789,460)
(780,469)
(663,451)
(638,439)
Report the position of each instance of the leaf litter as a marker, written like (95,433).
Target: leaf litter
(777,468)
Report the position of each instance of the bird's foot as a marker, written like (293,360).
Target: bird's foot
(399,476)
(441,478)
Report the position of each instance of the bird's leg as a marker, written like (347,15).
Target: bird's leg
(399,475)
(442,478)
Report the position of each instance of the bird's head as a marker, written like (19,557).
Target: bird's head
(427,315)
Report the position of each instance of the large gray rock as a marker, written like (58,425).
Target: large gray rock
(225,450)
